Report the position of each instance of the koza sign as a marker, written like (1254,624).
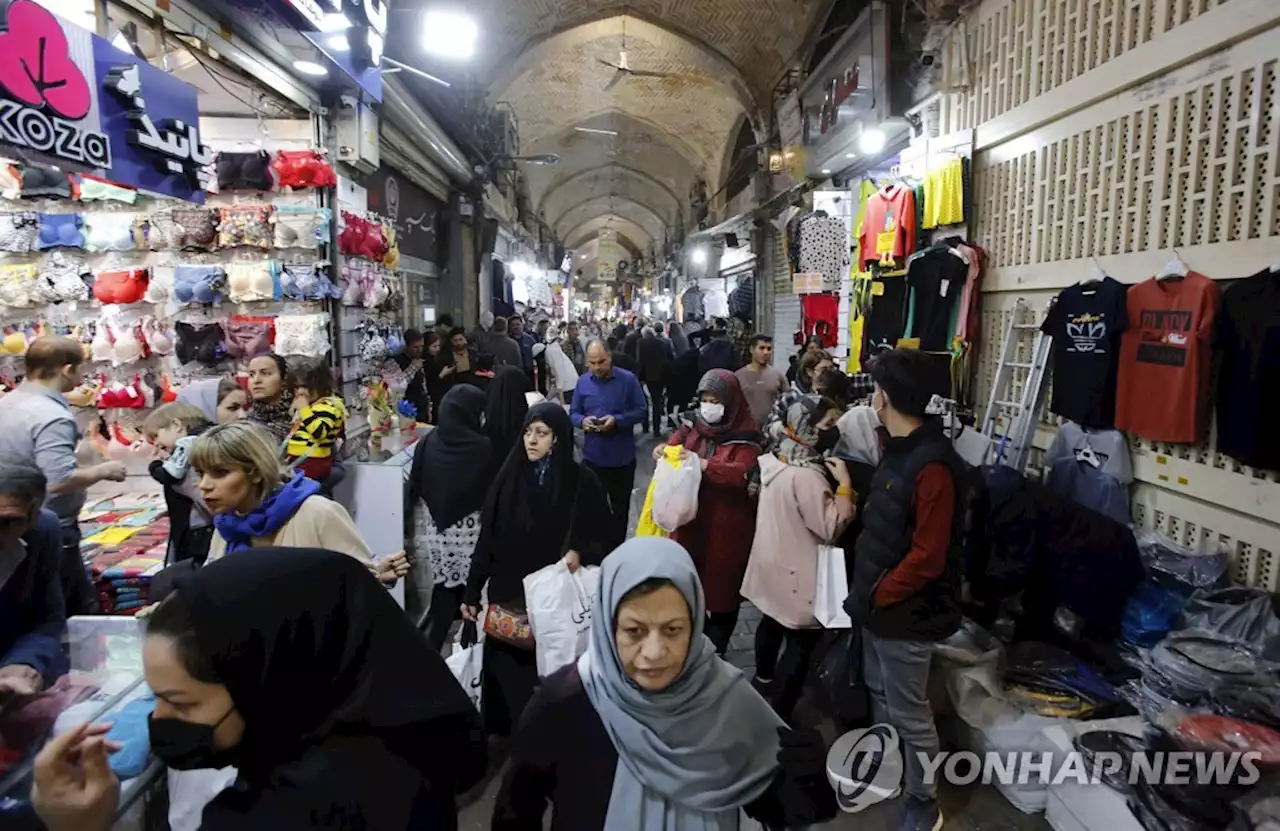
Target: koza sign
(72,96)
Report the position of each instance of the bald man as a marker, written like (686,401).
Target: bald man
(607,405)
(37,426)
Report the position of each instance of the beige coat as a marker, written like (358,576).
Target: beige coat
(318,523)
(797,513)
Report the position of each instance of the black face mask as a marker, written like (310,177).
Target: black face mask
(185,745)
(827,439)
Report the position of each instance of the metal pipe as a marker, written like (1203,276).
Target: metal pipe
(406,113)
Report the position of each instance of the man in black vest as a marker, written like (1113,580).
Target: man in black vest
(905,570)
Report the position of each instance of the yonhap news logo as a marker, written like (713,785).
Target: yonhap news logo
(865,767)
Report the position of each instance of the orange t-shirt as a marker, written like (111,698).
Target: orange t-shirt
(888,224)
(1165,356)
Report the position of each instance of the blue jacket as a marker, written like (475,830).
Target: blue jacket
(32,611)
(619,396)
(526,342)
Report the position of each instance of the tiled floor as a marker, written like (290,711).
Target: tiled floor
(978,808)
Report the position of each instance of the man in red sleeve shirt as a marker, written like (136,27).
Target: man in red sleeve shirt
(905,568)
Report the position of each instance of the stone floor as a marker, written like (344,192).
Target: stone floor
(976,808)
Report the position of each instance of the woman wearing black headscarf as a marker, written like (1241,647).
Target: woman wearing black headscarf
(543,506)
(452,470)
(296,667)
(504,414)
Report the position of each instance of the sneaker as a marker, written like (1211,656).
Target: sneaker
(921,815)
(765,688)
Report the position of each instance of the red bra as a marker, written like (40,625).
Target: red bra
(124,286)
(129,397)
(303,169)
(362,237)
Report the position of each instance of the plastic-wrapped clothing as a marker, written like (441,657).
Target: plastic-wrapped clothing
(1189,806)
(1258,810)
(1089,486)
(1045,668)
(1029,539)
(1178,566)
(1151,613)
(1186,666)
(1245,613)
(1260,705)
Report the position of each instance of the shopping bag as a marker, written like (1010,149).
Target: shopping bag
(468,667)
(675,490)
(559,606)
(646,527)
(833,588)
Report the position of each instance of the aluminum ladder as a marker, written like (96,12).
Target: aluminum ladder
(1017,414)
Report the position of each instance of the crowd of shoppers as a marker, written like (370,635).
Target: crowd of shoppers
(362,723)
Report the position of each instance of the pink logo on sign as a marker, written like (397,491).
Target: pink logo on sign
(36,66)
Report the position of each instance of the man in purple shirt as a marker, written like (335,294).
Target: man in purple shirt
(607,404)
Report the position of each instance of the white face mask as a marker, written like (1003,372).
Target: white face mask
(711,413)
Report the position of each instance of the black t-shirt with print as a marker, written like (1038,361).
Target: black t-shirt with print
(1085,325)
(936,278)
(888,316)
(1248,336)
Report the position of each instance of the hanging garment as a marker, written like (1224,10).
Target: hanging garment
(824,248)
(936,277)
(889,224)
(1091,468)
(822,317)
(1248,336)
(860,301)
(1086,323)
(944,195)
(1165,359)
(887,319)
(693,304)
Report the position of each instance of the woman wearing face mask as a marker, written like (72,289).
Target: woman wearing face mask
(798,512)
(724,437)
(353,726)
(453,467)
(543,506)
(271,396)
(650,729)
(220,399)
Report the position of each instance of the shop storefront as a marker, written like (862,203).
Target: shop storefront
(419,220)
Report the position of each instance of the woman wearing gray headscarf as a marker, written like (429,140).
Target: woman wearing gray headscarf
(650,730)
(220,399)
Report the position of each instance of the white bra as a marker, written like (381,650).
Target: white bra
(302,335)
(18,284)
(250,281)
(110,231)
(298,227)
(128,347)
(160,289)
(62,279)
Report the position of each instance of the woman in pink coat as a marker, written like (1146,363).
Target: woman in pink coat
(798,511)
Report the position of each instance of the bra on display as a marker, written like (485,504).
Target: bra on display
(306,282)
(392,258)
(245,171)
(248,282)
(18,284)
(60,231)
(63,278)
(302,335)
(303,169)
(159,339)
(299,227)
(101,347)
(248,225)
(366,284)
(125,285)
(126,342)
(361,237)
(96,190)
(198,283)
(110,231)
(199,343)
(160,287)
(123,396)
(44,182)
(246,338)
(19,231)
(10,184)
(14,342)
(175,229)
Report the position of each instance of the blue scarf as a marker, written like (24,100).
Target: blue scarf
(277,509)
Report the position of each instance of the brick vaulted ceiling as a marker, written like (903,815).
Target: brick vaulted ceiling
(543,57)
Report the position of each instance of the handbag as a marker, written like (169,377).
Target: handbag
(509,626)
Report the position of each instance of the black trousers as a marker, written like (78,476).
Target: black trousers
(719,628)
(789,674)
(510,676)
(77,588)
(618,483)
(657,404)
(445,609)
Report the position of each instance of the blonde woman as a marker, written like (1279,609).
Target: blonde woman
(256,503)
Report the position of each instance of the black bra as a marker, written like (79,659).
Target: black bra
(245,171)
(41,181)
(199,343)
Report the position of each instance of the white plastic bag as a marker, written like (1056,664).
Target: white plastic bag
(675,492)
(468,667)
(559,606)
(191,790)
(833,588)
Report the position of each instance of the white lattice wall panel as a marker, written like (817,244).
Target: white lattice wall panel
(1020,49)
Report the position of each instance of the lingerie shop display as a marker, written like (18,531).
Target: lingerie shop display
(262,171)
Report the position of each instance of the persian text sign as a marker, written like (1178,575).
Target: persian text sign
(73,98)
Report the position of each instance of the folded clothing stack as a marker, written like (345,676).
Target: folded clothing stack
(123,578)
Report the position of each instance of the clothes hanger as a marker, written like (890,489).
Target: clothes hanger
(1175,269)
(1097,276)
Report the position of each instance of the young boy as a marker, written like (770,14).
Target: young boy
(319,420)
(172,428)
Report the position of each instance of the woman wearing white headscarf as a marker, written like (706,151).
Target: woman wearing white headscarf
(220,399)
(650,730)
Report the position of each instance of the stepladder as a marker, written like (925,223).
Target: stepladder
(1017,390)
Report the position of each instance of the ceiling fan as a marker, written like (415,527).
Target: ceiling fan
(623,70)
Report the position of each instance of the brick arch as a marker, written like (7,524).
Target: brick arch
(623,170)
(616,222)
(642,215)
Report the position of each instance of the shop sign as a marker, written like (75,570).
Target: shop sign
(74,99)
(417,215)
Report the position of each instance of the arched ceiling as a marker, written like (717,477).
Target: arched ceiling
(545,58)
(586,231)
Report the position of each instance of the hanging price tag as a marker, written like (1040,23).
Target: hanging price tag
(877,289)
(886,241)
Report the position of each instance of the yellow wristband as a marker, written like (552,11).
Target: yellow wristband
(843,491)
